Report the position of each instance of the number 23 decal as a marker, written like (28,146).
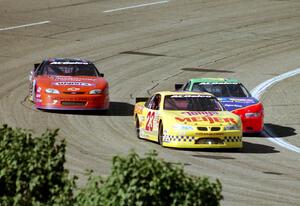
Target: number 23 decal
(150,120)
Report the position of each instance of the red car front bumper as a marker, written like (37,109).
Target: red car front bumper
(71,102)
(252,118)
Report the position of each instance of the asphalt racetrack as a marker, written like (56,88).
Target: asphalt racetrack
(147,46)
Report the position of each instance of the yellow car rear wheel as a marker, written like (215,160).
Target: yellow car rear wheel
(160,134)
(137,127)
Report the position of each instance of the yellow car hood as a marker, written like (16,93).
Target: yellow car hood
(207,118)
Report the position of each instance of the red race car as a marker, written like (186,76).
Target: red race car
(235,98)
(68,84)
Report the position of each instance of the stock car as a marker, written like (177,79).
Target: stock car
(187,120)
(68,84)
(235,98)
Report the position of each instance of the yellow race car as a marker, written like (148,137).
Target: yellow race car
(187,120)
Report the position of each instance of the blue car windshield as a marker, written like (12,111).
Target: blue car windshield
(222,90)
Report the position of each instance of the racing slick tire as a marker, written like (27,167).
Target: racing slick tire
(32,89)
(237,150)
(137,127)
(160,134)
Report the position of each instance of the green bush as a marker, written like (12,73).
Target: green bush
(148,181)
(32,173)
(32,169)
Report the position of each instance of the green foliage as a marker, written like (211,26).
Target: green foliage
(91,194)
(148,181)
(32,173)
(32,169)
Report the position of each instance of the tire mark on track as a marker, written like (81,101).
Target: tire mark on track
(61,7)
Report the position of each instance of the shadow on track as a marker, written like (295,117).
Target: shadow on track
(248,148)
(201,69)
(280,131)
(255,148)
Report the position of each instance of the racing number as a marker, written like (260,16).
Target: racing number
(150,120)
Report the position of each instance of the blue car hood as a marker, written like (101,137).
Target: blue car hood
(233,103)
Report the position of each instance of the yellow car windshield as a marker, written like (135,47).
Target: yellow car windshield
(192,103)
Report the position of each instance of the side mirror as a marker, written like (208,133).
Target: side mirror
(178,86)
(30,76)
(101,75)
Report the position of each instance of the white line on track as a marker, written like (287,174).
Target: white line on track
(259,90)
(136,6)
(24,25)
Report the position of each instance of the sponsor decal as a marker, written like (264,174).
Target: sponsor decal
(241,100)
(181,133)
(201,83)
(166,139)
(71,63)
(142,118)
(209,119)
(73,89)
(233,105)
(70,79)
(205,113)
(237,103)
(85,84)
(75,99)
(150,121)
(143,133)
(209,134)
(190,96)
(139,109)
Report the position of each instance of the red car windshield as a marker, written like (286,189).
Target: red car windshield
(63,69)
(192,103)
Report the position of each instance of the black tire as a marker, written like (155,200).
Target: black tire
(137,127)
(160,134)
(104,112)
(31,92)
(237,150)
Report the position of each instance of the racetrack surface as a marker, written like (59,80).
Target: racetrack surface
(146,49)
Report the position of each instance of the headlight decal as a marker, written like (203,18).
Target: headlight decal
(232,127)
(252,114)
(183,127)
(51,91)
(96,91)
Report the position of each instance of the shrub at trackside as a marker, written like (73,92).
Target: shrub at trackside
(32,169)
(149,181)
(32,173)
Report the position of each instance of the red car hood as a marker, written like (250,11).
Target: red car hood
(69,82)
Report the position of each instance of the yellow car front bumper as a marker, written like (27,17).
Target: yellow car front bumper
(232,139)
